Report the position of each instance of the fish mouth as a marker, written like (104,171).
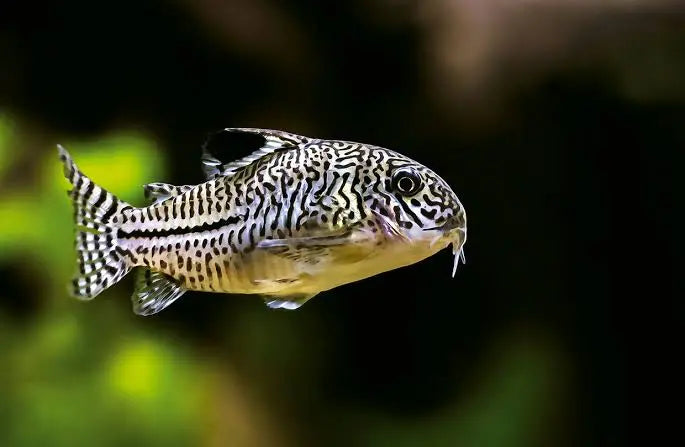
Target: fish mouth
(458,242)
(454,230)
(453,222)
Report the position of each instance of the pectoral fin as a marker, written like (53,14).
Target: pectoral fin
(308,249)
(154,291)
(318,240)
(388,225)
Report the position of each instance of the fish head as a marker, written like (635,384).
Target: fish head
(417,207)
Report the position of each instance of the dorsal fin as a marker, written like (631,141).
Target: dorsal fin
(259,143)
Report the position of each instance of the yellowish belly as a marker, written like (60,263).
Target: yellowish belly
(269,274)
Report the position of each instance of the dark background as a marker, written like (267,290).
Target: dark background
(559,124)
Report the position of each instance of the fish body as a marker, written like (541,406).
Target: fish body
(296,217)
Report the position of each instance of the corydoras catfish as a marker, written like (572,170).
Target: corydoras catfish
(296,217)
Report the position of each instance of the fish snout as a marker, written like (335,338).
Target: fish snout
(456,223)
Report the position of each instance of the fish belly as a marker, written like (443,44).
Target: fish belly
(292,278)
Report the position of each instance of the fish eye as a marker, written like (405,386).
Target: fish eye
(406,181)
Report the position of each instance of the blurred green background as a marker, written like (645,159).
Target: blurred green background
(559,124)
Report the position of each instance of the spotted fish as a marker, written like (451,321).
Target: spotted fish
(296,217)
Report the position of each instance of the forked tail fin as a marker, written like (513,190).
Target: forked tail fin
(100,264)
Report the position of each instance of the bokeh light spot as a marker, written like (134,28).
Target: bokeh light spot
(137,368)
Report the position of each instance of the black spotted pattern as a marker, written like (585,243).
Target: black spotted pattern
(209,233)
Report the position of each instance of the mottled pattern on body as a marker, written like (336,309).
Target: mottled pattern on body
(297,217)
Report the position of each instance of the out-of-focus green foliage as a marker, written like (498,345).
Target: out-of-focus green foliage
(6,134)
(130,162)
(71,376)
(75,382)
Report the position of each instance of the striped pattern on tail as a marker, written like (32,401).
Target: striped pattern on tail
(100,264)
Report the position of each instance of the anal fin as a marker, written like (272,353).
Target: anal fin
(289,302)
(154,291)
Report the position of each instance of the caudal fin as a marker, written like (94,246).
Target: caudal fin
(100,264)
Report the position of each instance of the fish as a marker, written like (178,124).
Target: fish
(295,217)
